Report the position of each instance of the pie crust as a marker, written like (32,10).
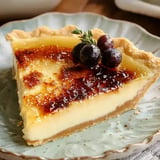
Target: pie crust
(123,43)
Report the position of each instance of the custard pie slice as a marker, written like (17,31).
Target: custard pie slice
(58,97)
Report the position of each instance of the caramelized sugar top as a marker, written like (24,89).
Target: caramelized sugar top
(32,79)
(55,53)
(77,82)
(85,83)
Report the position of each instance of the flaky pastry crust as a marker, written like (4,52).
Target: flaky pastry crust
(146,58)
(123,44)
(45,31)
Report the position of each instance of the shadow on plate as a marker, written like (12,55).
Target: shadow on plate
(9,109)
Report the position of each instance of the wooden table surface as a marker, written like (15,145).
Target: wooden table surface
(109,9)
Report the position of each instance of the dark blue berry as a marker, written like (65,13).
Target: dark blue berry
(111,57)
(76,52)
(90,55)
(104,42)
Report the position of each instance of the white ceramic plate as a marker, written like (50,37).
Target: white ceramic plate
(117,137)
(145,7)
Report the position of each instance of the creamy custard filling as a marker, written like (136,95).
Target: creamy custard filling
(61,80)
(81,112)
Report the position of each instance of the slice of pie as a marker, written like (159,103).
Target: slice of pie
(58,97)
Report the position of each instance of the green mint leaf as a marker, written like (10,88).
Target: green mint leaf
(77,31)
(86,37)
(90,34)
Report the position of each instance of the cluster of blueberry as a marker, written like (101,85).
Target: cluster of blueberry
(103,52)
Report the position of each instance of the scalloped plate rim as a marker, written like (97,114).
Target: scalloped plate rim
(81,13)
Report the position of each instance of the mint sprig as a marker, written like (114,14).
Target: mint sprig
(85,37)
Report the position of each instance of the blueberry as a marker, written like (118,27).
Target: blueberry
(90,55)
(111,57)
(76,52)
(104,42)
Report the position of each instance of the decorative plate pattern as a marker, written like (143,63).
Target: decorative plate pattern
(118,137)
